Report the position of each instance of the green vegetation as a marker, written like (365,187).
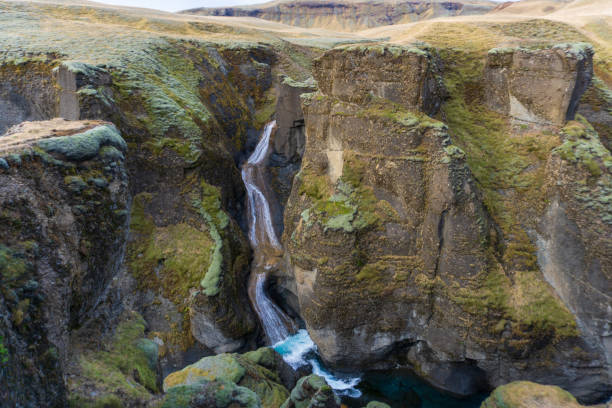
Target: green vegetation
(208,206)
(252,372)
(582,147)
(524,394)
(4,354)
(181,255)
(13,265)
(510,170)
(352,206)
(85,145)
(120,370)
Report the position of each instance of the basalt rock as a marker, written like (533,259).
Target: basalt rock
(538,86)
(406,76)
(396,262)
(64,210)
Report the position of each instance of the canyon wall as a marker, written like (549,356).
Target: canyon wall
(398,258)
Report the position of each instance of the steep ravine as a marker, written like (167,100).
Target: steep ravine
(379,230)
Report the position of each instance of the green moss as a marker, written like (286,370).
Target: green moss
(76,184)
(510,171)
(371,271)
(4,354)
(106,401)
(13,265)
(123,369)
(582,147)
(524,394)
(264,114)
(184,148)
(208,205)
(86,145)
(180,397)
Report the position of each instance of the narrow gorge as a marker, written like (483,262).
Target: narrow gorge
(201,213)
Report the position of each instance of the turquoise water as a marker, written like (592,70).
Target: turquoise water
(399,389)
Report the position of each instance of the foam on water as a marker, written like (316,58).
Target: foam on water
(299,350)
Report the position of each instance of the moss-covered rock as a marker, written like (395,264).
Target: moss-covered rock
(312,391)
(213,394)
(256,371)
(125,370)
(524,394)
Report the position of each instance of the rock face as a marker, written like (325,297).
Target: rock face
(406,76)
(64,206)
(396,261)
(288,141)
(575,233)
(541,86)
(350,15)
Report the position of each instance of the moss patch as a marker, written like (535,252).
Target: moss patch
(122,370)
(86,145)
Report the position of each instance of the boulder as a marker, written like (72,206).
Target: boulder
(257,371)
(312,392)
(524,394)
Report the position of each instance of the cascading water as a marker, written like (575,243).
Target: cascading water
(264,241)
(297,349)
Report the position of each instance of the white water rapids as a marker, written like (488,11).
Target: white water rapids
(297,349)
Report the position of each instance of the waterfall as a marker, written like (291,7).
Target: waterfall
(297,349)
(264,241)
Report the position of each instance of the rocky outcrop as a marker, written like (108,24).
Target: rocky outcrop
(523,394)
(397,262)
(254,376)
(350,15)
(288,141)
(406,76)
(538,86)
(64,210)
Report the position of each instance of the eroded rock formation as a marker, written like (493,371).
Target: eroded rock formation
(64,209)
(538,86)
(395,258)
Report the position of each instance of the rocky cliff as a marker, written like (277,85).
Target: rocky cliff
(347,15)
(65,211)
(386,218)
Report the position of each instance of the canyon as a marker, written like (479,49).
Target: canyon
(213,211)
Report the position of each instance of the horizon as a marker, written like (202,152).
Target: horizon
(180,5)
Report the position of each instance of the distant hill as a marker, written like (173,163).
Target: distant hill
(350,15)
